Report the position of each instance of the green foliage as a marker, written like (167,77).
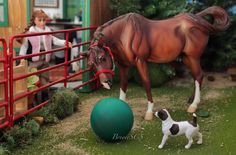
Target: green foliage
(151,8)
(33,126)
(20,135)
(3,150)
(221,49)
(62,104)
(220,53)
(158,74)
(124,6)
(117,72)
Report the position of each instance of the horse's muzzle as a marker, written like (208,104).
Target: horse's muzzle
(107,84)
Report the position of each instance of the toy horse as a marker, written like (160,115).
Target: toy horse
(133,40)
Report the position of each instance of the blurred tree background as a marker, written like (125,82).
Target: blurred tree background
(221,49)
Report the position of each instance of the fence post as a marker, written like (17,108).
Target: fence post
(66,59)
(10,63)
(4,81)
(85,37)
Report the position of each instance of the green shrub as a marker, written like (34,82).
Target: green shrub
(3,150)
(116,78)
(158,74)
(62,104)
(33,126)
(18,136)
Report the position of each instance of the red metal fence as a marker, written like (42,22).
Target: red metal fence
(8,60)
(4,85)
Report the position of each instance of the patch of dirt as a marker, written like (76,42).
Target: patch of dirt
(211,79)
(221,80)
(82,116)
(68,146)
(213,94)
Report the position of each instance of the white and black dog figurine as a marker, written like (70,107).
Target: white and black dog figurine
(173,128)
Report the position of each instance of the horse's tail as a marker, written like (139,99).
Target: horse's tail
(221,19)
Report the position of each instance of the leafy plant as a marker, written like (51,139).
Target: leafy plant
(18,136)
(3,150)
(158,74)
(62,104)
(33,126)
(124,6)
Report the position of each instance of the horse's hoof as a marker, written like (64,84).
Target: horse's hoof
(148,116)
(192,109)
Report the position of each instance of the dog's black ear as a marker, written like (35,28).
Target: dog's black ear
(162,115)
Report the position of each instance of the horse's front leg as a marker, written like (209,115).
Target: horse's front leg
(143,71)
(123,75)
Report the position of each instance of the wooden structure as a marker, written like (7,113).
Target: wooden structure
(18,11)
(19,87)
(100,12)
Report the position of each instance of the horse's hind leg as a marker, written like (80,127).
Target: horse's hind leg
(143,71)
(194,65)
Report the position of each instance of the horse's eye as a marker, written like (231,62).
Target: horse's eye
(101,59)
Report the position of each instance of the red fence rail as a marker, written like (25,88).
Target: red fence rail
(4,84)
(9,59)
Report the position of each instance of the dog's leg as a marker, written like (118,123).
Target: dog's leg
(165,137)
(199,138)
(190,142)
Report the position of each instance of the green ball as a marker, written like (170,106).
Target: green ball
(111,119)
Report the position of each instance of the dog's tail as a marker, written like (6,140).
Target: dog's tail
(194,119)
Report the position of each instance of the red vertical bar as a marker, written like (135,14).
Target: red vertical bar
(66,59)
(10,63)
(5,71)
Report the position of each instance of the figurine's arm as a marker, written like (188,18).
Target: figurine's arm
(24,47)
(59,42)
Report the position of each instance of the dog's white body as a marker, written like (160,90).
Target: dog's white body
(173,128)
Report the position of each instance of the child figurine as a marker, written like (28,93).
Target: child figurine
(36,44)
(172,128)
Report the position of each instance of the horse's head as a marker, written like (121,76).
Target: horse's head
(101,60)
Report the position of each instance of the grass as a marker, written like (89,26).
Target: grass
(219,136)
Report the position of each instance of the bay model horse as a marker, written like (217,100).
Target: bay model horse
(133,40)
